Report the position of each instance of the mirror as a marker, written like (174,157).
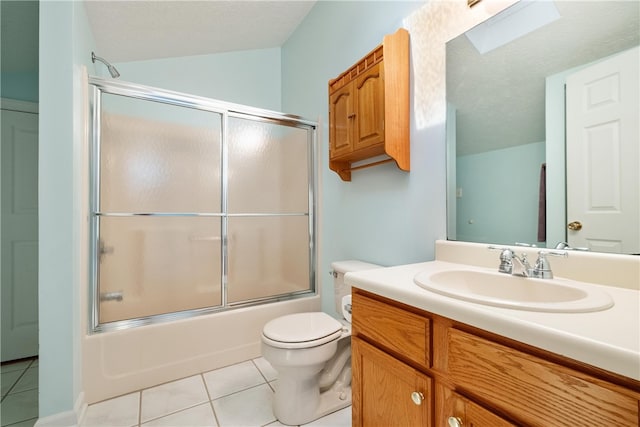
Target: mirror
(506,120)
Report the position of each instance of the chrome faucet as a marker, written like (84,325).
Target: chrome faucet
(511,263)
(521,266)
(542,268)
(506,259)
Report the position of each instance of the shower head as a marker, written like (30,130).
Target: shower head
(112,70)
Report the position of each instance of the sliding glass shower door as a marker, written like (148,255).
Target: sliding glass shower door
(268,208)
(197,206)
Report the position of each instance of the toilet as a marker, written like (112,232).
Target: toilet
(311,352)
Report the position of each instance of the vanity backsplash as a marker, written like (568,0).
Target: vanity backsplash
(606,269)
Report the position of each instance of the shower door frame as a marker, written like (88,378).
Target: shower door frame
(98,86)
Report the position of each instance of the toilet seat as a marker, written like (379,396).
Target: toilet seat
(301,330)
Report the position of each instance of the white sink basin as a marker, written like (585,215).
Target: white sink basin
(503,290)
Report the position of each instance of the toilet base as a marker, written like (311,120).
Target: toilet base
(300,399)
(330,401)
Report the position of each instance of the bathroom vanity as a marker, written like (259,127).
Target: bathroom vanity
(420,358)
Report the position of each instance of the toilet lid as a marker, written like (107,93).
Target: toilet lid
(303,328)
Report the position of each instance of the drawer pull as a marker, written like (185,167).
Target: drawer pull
(417,397)
(454,422)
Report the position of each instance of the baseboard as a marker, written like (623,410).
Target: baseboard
(68,418)
(80,408)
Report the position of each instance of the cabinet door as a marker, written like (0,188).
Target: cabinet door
(456,410)
(341,122)
(386,392)
(369,101)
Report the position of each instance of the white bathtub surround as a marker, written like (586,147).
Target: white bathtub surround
(119,362)
(608,339)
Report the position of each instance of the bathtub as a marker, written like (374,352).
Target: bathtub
(123,361)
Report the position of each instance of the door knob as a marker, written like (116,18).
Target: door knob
(454,422)
(574,225)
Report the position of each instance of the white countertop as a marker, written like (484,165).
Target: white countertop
(608,339)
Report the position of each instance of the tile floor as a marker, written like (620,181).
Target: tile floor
(19,384)
(235,396)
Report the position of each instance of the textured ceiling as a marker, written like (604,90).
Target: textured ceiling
(148,29)
(140,30)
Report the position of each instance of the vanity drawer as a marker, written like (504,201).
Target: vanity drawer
(466,412)
(533,390)
(399,331)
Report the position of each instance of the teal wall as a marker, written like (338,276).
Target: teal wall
(19,50)
(492,196)
(383,215)
(249,77)
(65,47)
(20,85)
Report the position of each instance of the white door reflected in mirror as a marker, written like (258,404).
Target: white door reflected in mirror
(603,181)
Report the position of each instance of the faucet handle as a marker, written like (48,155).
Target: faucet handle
(503,249)
(543,254)
(565,245)
(542,269)
(506,258)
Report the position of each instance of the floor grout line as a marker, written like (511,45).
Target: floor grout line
(13,385)
(213,410)
(139,408)
(24,371)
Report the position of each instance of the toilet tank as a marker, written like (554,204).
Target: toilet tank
(339,269)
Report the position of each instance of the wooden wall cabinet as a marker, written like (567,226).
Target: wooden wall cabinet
(369,108)
(471,378)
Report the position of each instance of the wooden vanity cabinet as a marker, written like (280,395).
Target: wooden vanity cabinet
(473,377)
(369,108)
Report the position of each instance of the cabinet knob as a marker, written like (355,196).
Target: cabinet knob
(454,422)
(417,397)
